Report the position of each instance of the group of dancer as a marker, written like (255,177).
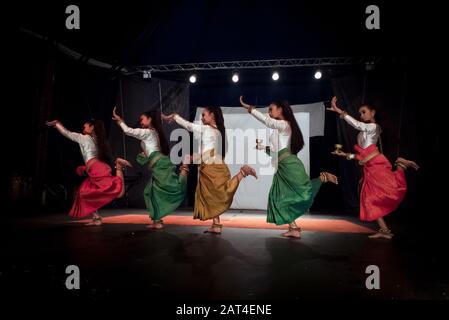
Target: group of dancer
(292,191)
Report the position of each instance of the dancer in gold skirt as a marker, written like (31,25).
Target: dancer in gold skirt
(215,189)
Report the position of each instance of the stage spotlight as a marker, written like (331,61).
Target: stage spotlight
(275,76)
(369,66)
(193,78)
(235,77)
(318,74)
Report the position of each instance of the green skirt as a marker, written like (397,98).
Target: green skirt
(166,189)
(292,192)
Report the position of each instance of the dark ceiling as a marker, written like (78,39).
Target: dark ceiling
(176,31)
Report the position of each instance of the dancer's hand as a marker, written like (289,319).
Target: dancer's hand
(245,105)
(52,123)
(115,116)
(334,106)
(339,153)
(168,118)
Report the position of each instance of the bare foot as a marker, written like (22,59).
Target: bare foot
(122,163)
(156,225)
(216,230)
(247,170)
(94,222)
(292,233)
(184,168)
(328,177)
(382,234)
(407,163)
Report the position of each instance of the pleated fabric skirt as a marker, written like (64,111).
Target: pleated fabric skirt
(214,192)
(382,190)
(97,190)
(292,192)
(165,190)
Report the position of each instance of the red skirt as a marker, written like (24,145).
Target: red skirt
(97,190)
(382,189)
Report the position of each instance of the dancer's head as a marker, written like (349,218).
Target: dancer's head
(96,129)
(88,128)
(214,116)
(367,113)
(152,119)
(281,110)
(275,110)
(208,116)
(146,120)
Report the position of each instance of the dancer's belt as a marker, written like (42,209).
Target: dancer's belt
(207,157)
(284,155)
(153,161)
(369,157)
(90,163)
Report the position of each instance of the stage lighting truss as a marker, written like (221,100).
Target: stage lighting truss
(146,71)
(258,64)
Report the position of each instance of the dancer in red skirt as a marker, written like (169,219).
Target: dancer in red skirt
(100,187)
(382,189)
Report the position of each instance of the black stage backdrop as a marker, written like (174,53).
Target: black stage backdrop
(47,85)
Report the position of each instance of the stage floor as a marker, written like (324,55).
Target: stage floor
(250,260)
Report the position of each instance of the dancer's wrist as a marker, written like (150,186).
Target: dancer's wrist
(350,156)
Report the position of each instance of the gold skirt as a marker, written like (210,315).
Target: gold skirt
(214,191)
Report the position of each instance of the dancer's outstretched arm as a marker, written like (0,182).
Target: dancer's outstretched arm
(74,136)
(265,119)
(194,127)
(361,126)
(349,156)
(137,133)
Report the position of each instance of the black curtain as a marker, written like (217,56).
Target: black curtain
(46,85)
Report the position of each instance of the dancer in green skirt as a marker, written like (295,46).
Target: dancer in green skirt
(292,192)
(166,189)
